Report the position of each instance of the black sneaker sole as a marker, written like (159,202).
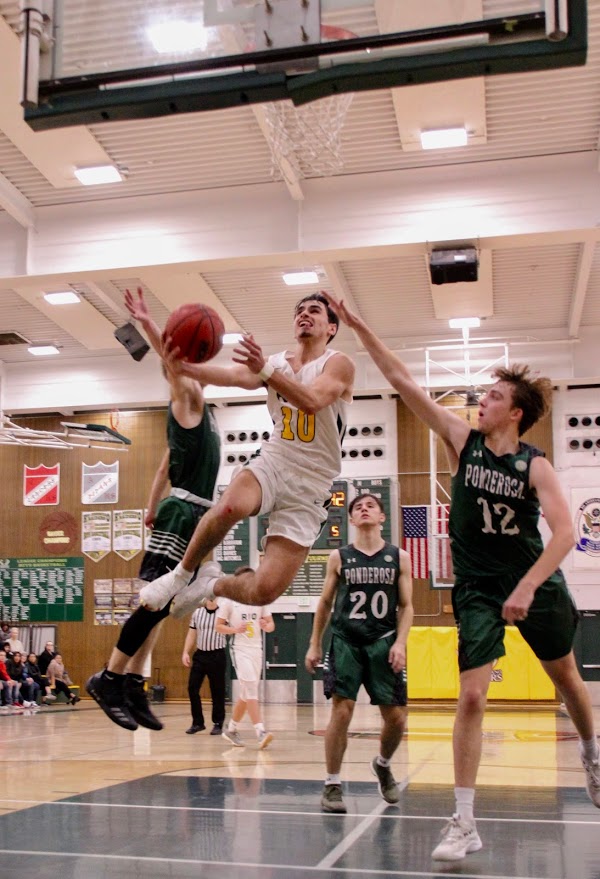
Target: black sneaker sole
(148,721)
(117,714)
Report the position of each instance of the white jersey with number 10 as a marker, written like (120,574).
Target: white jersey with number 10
(311,441)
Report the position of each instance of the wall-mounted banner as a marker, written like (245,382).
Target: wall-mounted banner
(585,507)
(96,534)
(128,526)
(100,483)
(41,485)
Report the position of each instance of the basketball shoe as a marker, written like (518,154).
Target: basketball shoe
(158,593)
(109,693)
(459,838)
(136,701)
(332,800)
(198,591)
(388,788)
(592,779)
(264,739)
(233,737)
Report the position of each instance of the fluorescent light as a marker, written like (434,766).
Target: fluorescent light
(65,298)
(461,323)
(232,338)
(99,174)
(178,36)
(442,138)
(294,279)
(43,350)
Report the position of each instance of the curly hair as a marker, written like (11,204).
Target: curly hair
(532,395)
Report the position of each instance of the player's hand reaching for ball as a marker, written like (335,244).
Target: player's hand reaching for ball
(250,354)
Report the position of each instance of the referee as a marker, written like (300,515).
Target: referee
(209,660)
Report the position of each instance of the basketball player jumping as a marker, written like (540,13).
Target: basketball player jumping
(504,575)
(190,463)
(291,477)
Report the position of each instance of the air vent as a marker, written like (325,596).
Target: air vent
(12,339)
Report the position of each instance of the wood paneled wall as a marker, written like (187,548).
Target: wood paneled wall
(86,647)
(433,606)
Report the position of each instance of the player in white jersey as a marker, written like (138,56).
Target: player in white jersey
(290,479)
(245,624)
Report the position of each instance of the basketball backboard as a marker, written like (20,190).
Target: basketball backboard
(88,61)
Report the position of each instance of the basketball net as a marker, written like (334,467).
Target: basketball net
(309,138)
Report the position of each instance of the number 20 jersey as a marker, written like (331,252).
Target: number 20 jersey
(366,601)
(312,442)
(494,513)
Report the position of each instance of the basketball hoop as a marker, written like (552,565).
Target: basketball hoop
(309,138)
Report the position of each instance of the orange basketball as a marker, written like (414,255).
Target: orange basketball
(197,330)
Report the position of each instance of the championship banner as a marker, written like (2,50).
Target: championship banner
(585,507)
(96,533)
(100,483)
(41,485)
(128,532)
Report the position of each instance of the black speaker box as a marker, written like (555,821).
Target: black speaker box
(452,266)
(132,340)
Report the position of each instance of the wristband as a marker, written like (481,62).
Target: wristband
(266,372)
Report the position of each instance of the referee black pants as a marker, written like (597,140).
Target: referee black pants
(211,664)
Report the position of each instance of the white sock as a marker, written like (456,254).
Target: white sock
(381,761)
(333,779)
(589,749)
(465,797)
(180,571)
(260,728)
(232,726)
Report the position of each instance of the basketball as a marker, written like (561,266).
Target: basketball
(197,330)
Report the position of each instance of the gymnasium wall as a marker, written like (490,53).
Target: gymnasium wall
(85,646)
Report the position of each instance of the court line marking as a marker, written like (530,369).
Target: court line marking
(289,868)
(394,816)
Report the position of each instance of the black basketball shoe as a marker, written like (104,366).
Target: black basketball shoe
(110,696)
(137,703)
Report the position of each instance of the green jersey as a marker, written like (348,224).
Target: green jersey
(194,455)
(494,512)
(366,601)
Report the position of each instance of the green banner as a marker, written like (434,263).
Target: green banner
(41,590)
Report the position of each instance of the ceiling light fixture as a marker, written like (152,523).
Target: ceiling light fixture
(67,297)
(43,350)
(295,279)
(461,323)
(232,338)
(178,36)
(443,138)
(98,174)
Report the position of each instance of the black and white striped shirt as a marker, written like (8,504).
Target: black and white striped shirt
(203,620)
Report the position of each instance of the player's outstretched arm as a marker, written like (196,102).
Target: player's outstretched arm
(452,429)
(238,376)
(137,308)
(335,381)
(159,483)
(314,654)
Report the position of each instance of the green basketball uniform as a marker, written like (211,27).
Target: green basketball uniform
(363,625)
(366,600)
(194,458)
(494,513)
(495,540)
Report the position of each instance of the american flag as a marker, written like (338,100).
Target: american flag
(417,535)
